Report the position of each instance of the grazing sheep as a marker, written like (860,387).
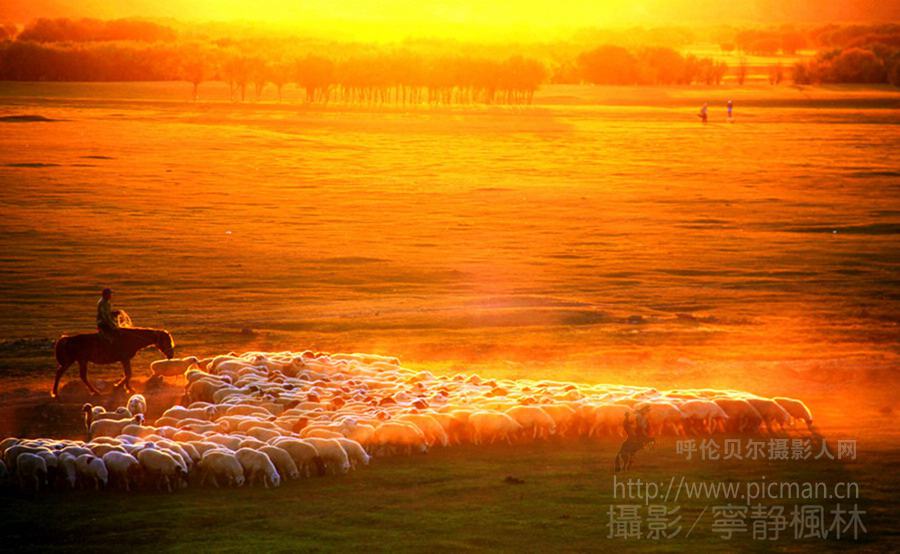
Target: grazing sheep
(222,468)
(796,408)
(492,426)
(663,416)
(91,470)
(123,468)
(31,469)
(355,453)
(703,416)
(285,465)
(771,412)
(303,453)
(332,454)
(258,467)
(742,416)
(161,467)
(534,421)
(397,436)
(432,430)
(67,472)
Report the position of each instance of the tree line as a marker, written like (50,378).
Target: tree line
(436,72)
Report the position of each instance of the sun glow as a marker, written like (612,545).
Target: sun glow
(368,20)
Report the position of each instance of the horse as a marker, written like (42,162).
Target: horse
(91,347)
(636,441)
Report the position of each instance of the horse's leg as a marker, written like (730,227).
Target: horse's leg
(60,371)
(82,372)
(126,379)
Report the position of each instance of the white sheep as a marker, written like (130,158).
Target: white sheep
(796,408)
(432,430)
(123,468)
(222,468)
(174,367)
(112,427)
(355,453)
(285,465)
(137,404)
(161,466)
(258,467)
(31,469)
(91,470)
(535,421)
(303,453)
(398,436)
(490,426)
(332,455)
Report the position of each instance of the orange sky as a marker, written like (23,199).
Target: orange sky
(437,17)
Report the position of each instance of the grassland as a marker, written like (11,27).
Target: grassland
(445,501)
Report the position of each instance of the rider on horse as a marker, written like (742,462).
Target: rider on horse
(107,318)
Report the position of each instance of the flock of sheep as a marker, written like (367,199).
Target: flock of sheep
(262,418)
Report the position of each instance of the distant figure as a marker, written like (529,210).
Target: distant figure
(730,109)
(703,115)
(107,318)
(637,437)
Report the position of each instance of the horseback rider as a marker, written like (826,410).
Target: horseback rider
(107,318)
(641,426)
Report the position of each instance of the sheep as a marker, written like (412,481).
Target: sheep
(771,412)
(563,416)
(609,419)
(663,416)
(703,416)
(796,409)
(92,470)
(285,465)
(112,427)
(178,412)
(395,436)
(492,426)
(174,367)
(258,467)
(162,467)
(137,404)
(67,472)
(31,469)
(742,416)
(355,452)
(303,453)
(533,420)
(332,454)
(122,467)
(432,430)
(93,413)
(221,465)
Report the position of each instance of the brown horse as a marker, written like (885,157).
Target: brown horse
(90,347)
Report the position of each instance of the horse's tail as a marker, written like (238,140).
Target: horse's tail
(61,350)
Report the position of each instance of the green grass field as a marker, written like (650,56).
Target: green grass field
(448,500)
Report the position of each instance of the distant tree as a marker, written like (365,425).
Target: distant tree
(608,65)
(236,71)
(280,74)
(742,71)
(776,74)
(857,65)
(194,67)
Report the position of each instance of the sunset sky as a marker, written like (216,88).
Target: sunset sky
(440,17)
